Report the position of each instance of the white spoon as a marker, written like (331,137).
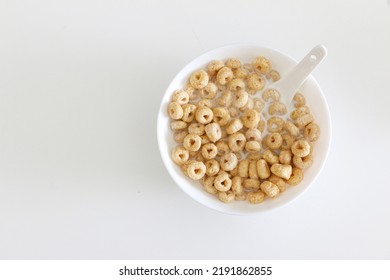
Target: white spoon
(292,81)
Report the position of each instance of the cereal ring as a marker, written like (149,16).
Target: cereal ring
(199,79)
(204,115)
(188,112)
(253,134)
(261,65)
(255,197)
(234,126)
(178,136)
(291,128)
(281,170)
(252,146)
(274,141)
(298,112)
(300,148)
(255,82)
(209,151)
(277,108)
(224,75)
(288,140)
(208,185)
(214,66)
(275,124)
(178,125)
(222,182)
(181,96)
(196,128)
(226,197)
(209,91)
(196,170)
(263,169)
(270,157)
(213,132)
(279,182)
(258,105)
(285,157)
(221,116)
(299,100)
(192,142)
(223,148)
(296,177)
(252,170)
(304,120)
(212,167)
(236,85)
(312,132)
(237,187)
(269,188)
(175,111)
(228,161)
(180,155)
(271,94)
(237,142)
(240,99)
(250,118)
(303,162)
(253,184)
(243,168)
(273,75)
(233,63)
(240,73)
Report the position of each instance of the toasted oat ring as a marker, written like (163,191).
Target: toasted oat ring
(180,155)
(274,141)
(192,142)
(196,170)
(199,79)
(300,148)
(222,182)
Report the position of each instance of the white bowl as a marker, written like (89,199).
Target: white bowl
(314,98)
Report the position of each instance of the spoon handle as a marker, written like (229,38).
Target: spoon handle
(289,85)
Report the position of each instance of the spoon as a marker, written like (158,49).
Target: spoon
(293,79)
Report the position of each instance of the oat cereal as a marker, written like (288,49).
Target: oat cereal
(235,135)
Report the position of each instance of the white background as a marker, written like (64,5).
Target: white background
(80,172)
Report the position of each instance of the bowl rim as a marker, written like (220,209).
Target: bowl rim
(237,213)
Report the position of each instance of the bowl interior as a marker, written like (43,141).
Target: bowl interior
(314,98)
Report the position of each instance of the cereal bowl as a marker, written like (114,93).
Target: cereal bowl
(315,99)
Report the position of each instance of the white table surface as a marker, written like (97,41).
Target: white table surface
(80,172)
